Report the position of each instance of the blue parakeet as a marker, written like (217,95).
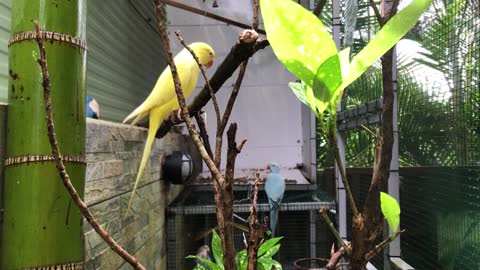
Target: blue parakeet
(275,188)
(92,109)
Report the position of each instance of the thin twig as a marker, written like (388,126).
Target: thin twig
(335,258)
(319,7)
(52,138)
(377,12)
(343,175)
(207,81)
(203,133)
(381,245)
(253,238)
(323,213)
(255,15)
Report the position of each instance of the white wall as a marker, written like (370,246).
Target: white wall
(267,112)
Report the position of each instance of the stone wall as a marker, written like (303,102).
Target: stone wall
(113,153)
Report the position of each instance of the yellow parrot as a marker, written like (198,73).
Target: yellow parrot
(163,99)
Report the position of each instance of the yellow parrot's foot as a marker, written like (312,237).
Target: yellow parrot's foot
(179,115)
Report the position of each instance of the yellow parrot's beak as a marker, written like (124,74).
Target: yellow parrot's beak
(209,64)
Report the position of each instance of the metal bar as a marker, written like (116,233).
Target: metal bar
(209,15)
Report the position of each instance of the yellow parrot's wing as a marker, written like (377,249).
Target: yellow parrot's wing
(164,90)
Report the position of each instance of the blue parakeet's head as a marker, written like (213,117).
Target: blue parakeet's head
(274,167)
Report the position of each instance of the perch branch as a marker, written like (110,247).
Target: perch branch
(207,81)
(52,138)
(241,51)
(255,15)
(253,238)
(381,245)
(323,213)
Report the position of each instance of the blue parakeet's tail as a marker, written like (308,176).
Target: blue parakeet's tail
(274,217)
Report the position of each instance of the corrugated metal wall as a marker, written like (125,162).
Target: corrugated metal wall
(4,35)
(124,54)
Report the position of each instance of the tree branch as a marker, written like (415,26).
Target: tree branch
(343,175)
(381,245)
(255,228)
(377,12)
(203,133)
(323,213)
(52,138)
(319,7)
(212,94)
(335,258)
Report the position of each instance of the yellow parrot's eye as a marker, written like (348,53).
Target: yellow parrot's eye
(210,53)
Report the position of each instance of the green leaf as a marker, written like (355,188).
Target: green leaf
(327,81)
(267,245)
(300,91)
(272,251)
(385,39)
(391,211)
(210,264)
(267,263)
(217,248)
(298,37)
(241,260)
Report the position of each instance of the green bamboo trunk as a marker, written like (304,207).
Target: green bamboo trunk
(41,224)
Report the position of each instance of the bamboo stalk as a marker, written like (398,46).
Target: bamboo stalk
(41,226)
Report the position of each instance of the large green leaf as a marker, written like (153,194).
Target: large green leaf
(217,248)
(297,37)
(391,211)
(267,245)
(385,39)
(268,263)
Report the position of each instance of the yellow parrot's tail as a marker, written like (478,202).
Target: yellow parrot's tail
(157,115)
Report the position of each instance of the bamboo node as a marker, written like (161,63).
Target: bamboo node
(41,158)
(65,266)
(48,35)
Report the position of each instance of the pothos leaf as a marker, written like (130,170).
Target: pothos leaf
(217,248)
(267,245)
(298,38)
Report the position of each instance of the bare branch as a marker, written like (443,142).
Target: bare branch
(319,7)
(323,213)
(207,81)
(343,175)
(377,12)
(203,133)
(52,138)
(335,258)
(255,15)
(255,228)
(381,245)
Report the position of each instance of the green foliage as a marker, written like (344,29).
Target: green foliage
(264,256)
(303,45)
(391,211)
(217,249)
